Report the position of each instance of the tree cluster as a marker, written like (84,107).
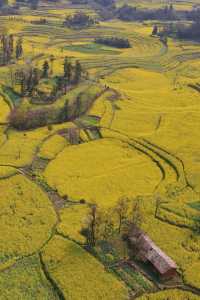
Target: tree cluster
(29,78)
(72,74)
(104,225)
(194,15)
(3,3)
(26,118)
(79,20)
(41,21)
(75,2)
(191,32)
(181,31)
(167,13)
(106,3)
(113,42)
(10,48)
(33,4)
(129,13)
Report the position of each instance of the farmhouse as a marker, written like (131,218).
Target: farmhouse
(147,252)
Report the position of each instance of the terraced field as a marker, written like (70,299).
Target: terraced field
(139,136)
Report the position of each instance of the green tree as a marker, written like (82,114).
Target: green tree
(19,48)
(11,44)
(59,84)
(77,72)
(171,8)
(52,59)
(64,112)
(29,81)
(90,230)
(67,68)
(45,67)
(155,30)
(35,77)
(23,83)
(5,48)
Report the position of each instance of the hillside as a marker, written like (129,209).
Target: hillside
(99,131)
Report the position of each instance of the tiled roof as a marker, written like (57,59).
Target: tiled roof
(147,248)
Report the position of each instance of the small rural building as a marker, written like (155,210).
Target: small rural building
(146,251)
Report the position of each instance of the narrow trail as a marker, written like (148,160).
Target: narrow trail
(50,279)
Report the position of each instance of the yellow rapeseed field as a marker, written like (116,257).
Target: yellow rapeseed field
(151,102)
(7,171)
(72,220)
(25,280)
(101,172)
(191,276)
(27,217)
(52,146)
(4,110)
(78,274)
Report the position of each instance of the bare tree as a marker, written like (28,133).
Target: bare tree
(121,210)
(107,226)
(89,231)
(52,59)
(137,215)
(99,225)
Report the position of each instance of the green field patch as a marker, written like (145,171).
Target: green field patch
(92,49)
(195,205)
(12,97)
(110,254)
(88,121)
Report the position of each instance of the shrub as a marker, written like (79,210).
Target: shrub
(50,127)
(27,119)
(114,42)
(79,20)
(82,201)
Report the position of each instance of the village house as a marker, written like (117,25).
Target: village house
(146,251)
